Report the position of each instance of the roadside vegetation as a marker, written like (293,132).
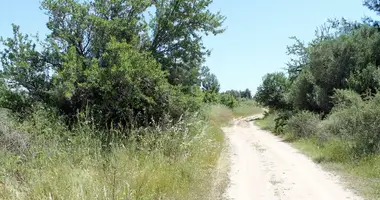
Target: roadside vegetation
(115,103)
(41,159)
(327,103)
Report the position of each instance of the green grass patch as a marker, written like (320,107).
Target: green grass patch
(246,108)
(181,161)
(266,123)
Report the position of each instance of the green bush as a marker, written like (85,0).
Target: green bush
(228,100)
(358,124)
(303,124)
(280,120)
(346,99)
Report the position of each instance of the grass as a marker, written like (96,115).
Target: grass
(361,174)
(246,108)
(187,160)
(178,162)
(266,123)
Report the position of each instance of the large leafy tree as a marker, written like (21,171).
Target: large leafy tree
(25,72)
(246,94)
(343,55)
(272,91)
(177,27)
(109,57)
(210,85)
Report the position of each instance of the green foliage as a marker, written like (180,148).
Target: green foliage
(267,122)
(181,102)
(210,85)
(24,77)
(211,97)
(300,58)
(303,125)
(228,100)
(365,81)
(372,5)
(209,82)
(301,92)
(177,28)
(343,55)
(240,95)
(133,86)
(335,76)
(107,59)
(346,99)
(247,108)
(272,91)
(342,62)
(156,162)
(281,120)
(246,94)
(234,93)
(358,124)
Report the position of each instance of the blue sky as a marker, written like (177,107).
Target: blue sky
(254,44)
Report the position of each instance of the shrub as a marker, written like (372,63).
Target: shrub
(303,124)
(11,140)
(228,100)
(280,120)
(346,99)
(358,124)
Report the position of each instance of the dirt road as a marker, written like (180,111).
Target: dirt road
(265,168)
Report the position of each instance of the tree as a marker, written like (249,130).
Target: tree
(105,58)
(234,93)
(373,5)
(209,82)
(272,91)
(246,94)
(133,89)
(210,86)
(228,100)
(177,28)
(25,75)
(300,59)
(301,92)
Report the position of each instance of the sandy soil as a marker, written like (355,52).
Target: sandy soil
(265,168)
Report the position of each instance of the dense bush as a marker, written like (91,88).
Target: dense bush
(346,99)
(300,93)
(101,58)
(12,140)
(228,100)
(357,124)
(303,125)
(280,120)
